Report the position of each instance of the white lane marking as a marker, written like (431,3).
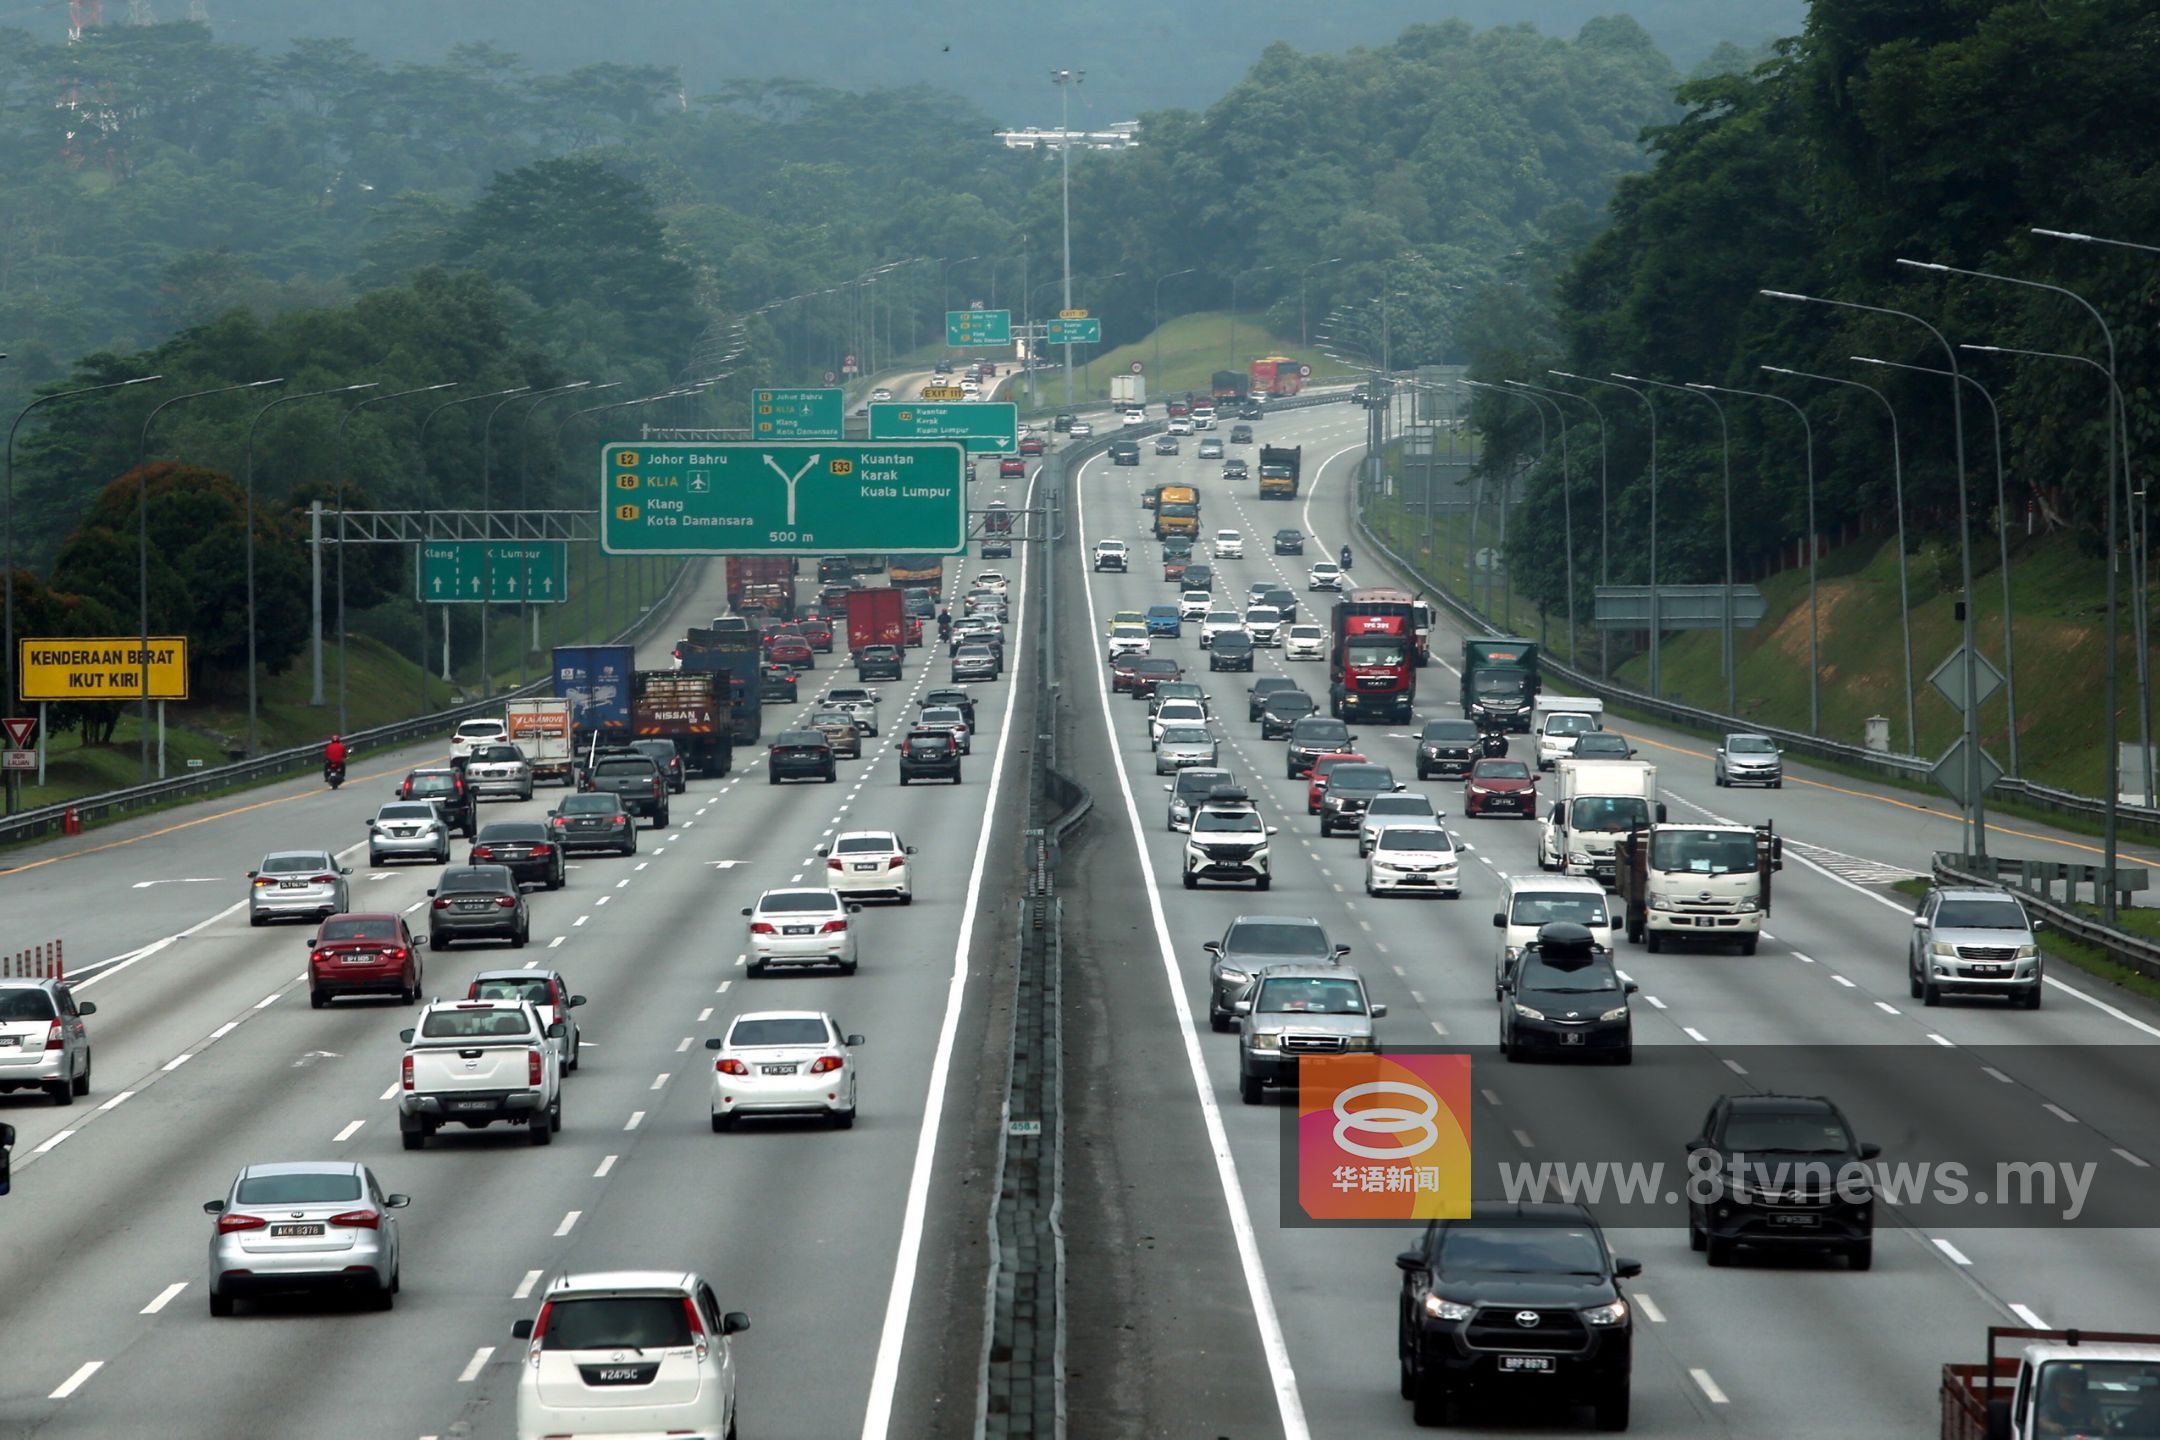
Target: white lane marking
(641,865)
(1736,1067)
(52,1140)
(1803,959)
(388,1094)
(1709,1387)
(1940,1040)
(704,1015)
(568,1221)
(1843,981)
(163,1298)
(75,1381)
(1655,1002)
(1957,1256)
(606,1164)
(176,1062)
(2058,1112)
(1696,1035)
(525,1286)
(225,1029)
(1649,1308)
(347,1133)
(1439,1029)
(1996,1075)
(658,1081)
(1522,1138)
(622,882)
(603,899)
(885,1376)
(684,1045)
(474,1366)
(2029,1315)
(557,941)
(1886,1007)
(580,920)
(1490,1098)
(2134,1160)
(635,1117)
(267,1001)
(725,983)
(116,1100)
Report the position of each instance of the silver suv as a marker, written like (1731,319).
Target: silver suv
(43,1043)
(1976,940)
(1298,1010)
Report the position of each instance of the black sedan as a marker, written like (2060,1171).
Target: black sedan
(1231,650)
(1284,708)
(776,685)
(1561,996)
(595,820)
(801,754)
(664,754)
(1256,694)
(1289,542)
(526,848)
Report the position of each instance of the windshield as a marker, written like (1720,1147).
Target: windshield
(477,879)
(1228,822)
(624,766)
(1401,805)
(310,1188)
(1818,1133)
(1199,784)
(2099,1397)
(1460,732)
(1312,997)
(617,1322)
(1267,937)
(1699,852)
(1749,745)
(1291,702)
(798,900)
(475,1025)
(1569,975)
(1519,1250)
(1502,770)
(1413,837)
(474,728)
(534,991)
(294,864)
(498,753)
(1359,777)
(1610,813)
(783,1030)
(1264,615)
(1542,909)
(1568,725)
(355,929)
(1185,735)
(864,845)
(590,805)
(1488,682)
(1176,510)
(1980,915)
(1319,732)
(1386,651)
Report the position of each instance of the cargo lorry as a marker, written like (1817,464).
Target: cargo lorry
(1557,721)
(596,680)
(2114,1374)
(692,708)
(1177,511)
(1126,390)
(1279,470)
(1697,882)
(1499,681)
(1227,385)
(1371,670)
(876,617)
(1600,801)
(541,729)
(732,652)
(763,583)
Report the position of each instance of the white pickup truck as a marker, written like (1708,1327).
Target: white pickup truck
(480,1062)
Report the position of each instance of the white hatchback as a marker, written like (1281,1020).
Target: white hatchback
(784,1062)
(869,862)
(993,580)
(1195,604)
(1304,642)
(1229,545)
(1180,425)
(628,1352)
(1326,575)
(801,926)
(1264,624)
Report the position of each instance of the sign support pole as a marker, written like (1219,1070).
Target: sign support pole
(42,743)
(315,693)
(161,739)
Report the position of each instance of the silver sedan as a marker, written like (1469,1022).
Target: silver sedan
(408,830)
(307,883)
(304,1225)
(1183,745)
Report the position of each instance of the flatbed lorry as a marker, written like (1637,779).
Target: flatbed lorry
(2115,1375)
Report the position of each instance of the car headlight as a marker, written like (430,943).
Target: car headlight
(1659,902)
(1618,1012)
(1747,907)
(1358,1042)
(1441,1309)
(1234,977)
(2028,952)
(1578,857)
(1614,1312)
(1512,952)
(1527,1013)
(1267,1042)
(1942,949)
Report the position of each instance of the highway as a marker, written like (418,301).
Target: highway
(1246,1327)
(850,1250)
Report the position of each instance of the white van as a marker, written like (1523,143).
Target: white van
(1558,720)
(1530,901)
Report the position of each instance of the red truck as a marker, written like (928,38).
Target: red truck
(1372,670)
(875,617)
(761,583)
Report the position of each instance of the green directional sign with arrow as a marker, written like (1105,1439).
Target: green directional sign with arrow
(470,572)
(748,497)
(978,327)
(1073,332)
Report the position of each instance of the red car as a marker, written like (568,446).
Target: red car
(1500,787)
(1125,673)
(792,651)
(370,954)
(1032,445)
(819,632)
(1316,783)
(1173,567)
(1012,467)
(914,630)
(1153,670)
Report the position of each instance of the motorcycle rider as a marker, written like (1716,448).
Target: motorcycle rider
(334,759)
(1345,562)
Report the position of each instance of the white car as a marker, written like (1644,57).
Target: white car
(473,733)
(1326,575)
(1080,430)
(1203,419)
(1407,808)
(1264,624)
(1304,642)
(43,1042)
(784,1062)
(1135,417)
(970,386)
(801,926)
(1194,605)
(881,393)
(1530,902)
(1229,545)
(1413,859)
(1128,640)
(993,580)
(869,862)
(1180,425)
(1174,712)
(952,720)
(628,1352)
(1219,622)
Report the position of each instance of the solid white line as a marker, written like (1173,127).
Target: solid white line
(606,1164)
(1957,1256)
(567,1221)
(2059,1113)
(164,1298)
(474,1366)
(2134,1160)
(635,1117)
(347,1133)
(1709,1387)
(2029,1315)
(75,1381)
(1273,1344)
(52,1140)
(525,1286)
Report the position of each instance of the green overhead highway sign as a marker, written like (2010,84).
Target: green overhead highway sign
(978,327)
(1073,332)
(985,428)
(752,497)
(468,572)
(796,414)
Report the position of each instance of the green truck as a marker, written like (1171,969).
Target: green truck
(1499,681)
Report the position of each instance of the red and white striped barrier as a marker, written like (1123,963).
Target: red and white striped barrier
(39,962)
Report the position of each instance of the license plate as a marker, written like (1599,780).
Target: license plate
(1795,1222)
(1526,1364)
(292,885)
(1989,969)
(296,1229)
(797,930)
(1571,1037)
(871,866)
(10,1042)
(472,1105)
(356,959)
(777,1069)
(471,905)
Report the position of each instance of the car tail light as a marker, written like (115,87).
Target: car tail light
(358,1220)
(731,1067)
(506,901)
(532,1067)
(698,1338)
(541,850)
(825,1065)
(834,865)
(760,927)
(833,927)
(398,953)
(896,862)
(53,1037)
(441,903)
(406,1080)
(325,880)
(483,852)
(227,1224)
(561,824)
(532,1354)
(262,880)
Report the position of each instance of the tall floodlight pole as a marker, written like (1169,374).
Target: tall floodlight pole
(1732,676)
(1604,514)
(1155,314)
(1065,80)
(1304,338)
(1657,673)
(1814,637)
(1975,802)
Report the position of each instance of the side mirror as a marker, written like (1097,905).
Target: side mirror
(210,1207)
(1719,752)
(1271,829)
(1499,921)
(1869,1150)
(853,1040)
(734,1323)
(406,1036)
(431,890)
(397,1202)
(746,910)
(1379,1011)
(309,942)
(1629,987)
(2039,925)
(1341,951)
(1661,812)
(822,851)
(910,849)
(86,1007)
(521,1330)
(344,870)
(713,1043)
(576,1000)
(251,875)
(1411,1262)
(1241,1007)
(1625,1269)
(1919,921)
(1168,788)
(854,909)
(1212,947)
(556,1030)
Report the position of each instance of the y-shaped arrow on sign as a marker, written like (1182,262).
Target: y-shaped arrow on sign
(792,481)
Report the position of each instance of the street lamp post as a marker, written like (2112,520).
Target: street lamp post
(1507,485)
(1604,514)
(525,605)
(1234,279)
(1657,676)
(2002,532)
(1155,313)
(1732,677)
(253,425)
(1304,339)
(1066,80)
(1814,648)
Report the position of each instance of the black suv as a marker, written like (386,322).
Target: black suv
(1199,577)
(796,754)
(632,778)
(877,662)
(929,755)
(958,699)
(1234,468)
(1786,1168)
(1062,423)
(1279,716)
(1562,996)
(447,789)
(1278,599)
(1289,542)
(1314,736)
(1515,1300)
(1256,694)
(1125,452)
(1349,789)
(1448,748)
(1231,650)
(664,754)
(526,848)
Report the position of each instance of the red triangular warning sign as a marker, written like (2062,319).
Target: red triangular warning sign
(19,732)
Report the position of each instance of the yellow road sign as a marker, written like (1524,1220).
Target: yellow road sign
(1072,314)
(943,392)
(101,668)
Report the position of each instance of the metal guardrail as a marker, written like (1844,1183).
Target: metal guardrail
(2141,818)
(90,809)
(2134,952)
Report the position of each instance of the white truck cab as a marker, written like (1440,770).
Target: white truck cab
(2061,1382)
(1556,722)
(1600,801)
(1697,882)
